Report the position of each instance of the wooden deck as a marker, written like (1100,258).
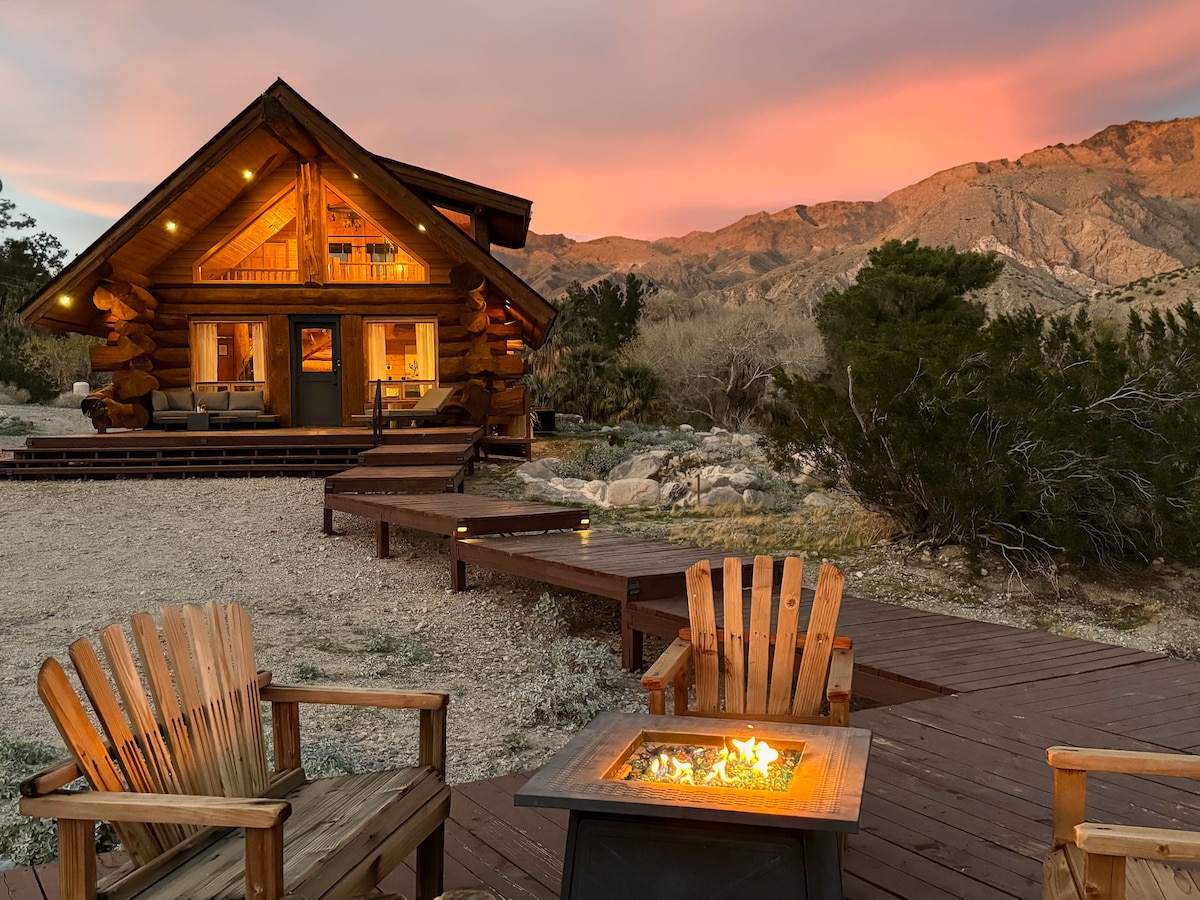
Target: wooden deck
(957,807)
(308,452)
(957,802)
(452,515)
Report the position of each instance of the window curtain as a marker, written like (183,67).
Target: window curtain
(427,351)
(204,351)
(258,344)
(376,351)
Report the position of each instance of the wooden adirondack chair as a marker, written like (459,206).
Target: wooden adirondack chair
(759,683)
(1115,862)
(184,764)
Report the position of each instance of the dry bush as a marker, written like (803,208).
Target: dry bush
(715,365)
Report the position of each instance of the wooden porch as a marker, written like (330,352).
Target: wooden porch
(300,452)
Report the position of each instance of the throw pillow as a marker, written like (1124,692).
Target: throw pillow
(180,400)
(249,400)
(214,401)
(158,400)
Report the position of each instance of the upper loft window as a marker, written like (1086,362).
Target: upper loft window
(264,250)
(359,250)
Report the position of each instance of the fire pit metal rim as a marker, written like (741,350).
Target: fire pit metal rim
(834,768)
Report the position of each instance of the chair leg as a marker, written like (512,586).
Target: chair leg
(430,862)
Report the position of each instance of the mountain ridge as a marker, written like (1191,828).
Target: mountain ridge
(1070,221)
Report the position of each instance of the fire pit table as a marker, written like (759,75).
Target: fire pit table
(693,808)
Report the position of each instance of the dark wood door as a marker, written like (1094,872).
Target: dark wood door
(316,370)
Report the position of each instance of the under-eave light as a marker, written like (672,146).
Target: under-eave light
(355,174)
(170,226)
(247,174)
(65,300)
(420,228)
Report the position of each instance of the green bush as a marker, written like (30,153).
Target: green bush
(581,369)
(1038,439)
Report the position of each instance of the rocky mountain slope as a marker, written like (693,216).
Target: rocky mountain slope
(1071,221)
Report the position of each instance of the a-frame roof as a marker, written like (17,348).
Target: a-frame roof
(269,131)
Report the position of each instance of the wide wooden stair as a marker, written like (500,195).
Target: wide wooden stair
(411,461)
(213,454)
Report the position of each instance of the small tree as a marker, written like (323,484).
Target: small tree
(580,369)
(27,261)
(1036,438)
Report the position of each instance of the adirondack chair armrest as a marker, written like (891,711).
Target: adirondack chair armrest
(841,675)
(351,696)
(1143,843)
(668,669)
(179,809)
(1124,762)
(285,700)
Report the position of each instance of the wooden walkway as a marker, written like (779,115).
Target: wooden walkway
(452,515)
(610,565)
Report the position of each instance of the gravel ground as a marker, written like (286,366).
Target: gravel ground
(80,555)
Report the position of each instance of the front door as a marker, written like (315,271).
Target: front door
(316,371)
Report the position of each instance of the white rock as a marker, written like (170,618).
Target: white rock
(595,491)
(537,470)
(743,480)
(571,484)
(686,429)
(640,465)
(633,492)
(721,496)
(672,492)
(819,500)
(757,500)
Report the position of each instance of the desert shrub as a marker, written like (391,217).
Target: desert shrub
(15,426)
(595,460)
(25,841)
(1036,438)
(13,395)
(580,369)
(576,680)
(715,363)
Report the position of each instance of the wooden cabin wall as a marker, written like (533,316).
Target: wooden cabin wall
(279,367)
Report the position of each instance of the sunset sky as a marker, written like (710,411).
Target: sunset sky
(645,118)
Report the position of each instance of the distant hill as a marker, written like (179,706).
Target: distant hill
(1072,221)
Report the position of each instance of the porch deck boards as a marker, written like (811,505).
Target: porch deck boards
(312,452)
(442,453)
(467,514)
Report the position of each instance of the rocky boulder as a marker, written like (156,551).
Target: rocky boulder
(633,492)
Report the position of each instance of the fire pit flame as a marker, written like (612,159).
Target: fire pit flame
(750,763)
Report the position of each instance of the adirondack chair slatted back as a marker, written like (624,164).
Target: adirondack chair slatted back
(196,730)
(761,681)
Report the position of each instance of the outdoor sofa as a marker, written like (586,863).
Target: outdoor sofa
(229,408)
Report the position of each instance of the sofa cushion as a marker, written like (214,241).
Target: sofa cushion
(213,401)
(246,400)
(158,400)
(180,400)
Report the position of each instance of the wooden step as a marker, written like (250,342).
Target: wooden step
(396,480)
(442,454)
(451,434)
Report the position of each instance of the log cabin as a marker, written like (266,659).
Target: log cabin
(284,258)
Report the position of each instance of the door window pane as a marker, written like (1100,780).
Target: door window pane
(317,349)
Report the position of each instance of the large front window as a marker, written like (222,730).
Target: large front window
(229,355)
(359,250)
(401,360)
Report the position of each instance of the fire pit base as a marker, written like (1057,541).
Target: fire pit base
(611,856)
(673,841)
